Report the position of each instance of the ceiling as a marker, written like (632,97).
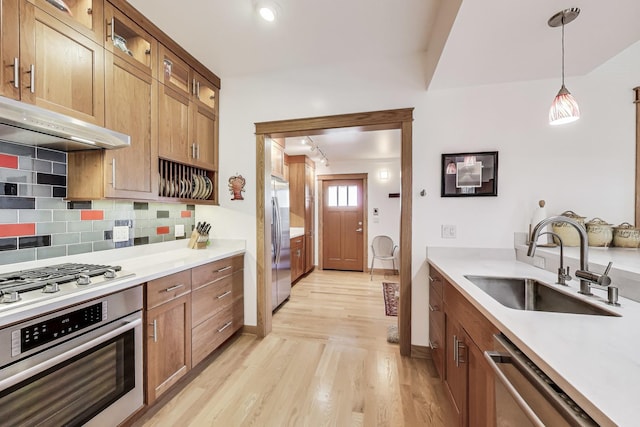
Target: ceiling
(229,38)
(349,144)
(491,41)
(499,41)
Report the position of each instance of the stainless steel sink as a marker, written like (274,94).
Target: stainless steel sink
(529,294)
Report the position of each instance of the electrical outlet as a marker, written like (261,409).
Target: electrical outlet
(538,261)
(448,231)
(120,234)
(179,230)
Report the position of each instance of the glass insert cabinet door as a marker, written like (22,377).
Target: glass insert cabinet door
(85,16)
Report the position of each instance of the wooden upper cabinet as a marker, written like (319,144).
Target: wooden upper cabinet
(61,69)
(84,16)
(131,104)
(129,42)
(10,48)
(204,113)
(277,157)
(188,114)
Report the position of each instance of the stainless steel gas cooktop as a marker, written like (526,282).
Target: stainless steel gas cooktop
(27,286)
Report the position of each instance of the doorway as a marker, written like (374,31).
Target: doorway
(401,119)
(342,222)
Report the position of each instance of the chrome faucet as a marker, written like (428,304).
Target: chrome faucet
(563,274)
(587,278)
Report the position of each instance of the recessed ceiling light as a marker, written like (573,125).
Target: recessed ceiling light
(267,14)
(267,9)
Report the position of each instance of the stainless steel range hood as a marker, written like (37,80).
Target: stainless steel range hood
(31,125)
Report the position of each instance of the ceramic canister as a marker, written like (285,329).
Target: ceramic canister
(568,234)
(599,232)
(626,236)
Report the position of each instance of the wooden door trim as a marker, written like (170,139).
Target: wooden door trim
(637,202)
(365,210)
(388,119)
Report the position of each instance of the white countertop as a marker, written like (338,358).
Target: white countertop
(594,359)
(148,262)
(296,232)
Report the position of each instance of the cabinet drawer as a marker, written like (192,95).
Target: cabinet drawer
(167,288)
(215,270)
(210,334)
(436,342)
(210,299)
(436,281)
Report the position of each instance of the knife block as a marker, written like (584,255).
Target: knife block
(198,241)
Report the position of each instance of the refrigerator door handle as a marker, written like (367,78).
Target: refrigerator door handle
(274,230)
(278,223)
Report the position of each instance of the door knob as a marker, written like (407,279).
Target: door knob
(359,230)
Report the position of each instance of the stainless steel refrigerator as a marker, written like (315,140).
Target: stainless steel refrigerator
(280,244)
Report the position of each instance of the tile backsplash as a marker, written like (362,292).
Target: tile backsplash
(37,223)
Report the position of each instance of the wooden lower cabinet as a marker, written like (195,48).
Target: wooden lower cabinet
(297,257)
(187,316)
(218,304)
(456,370)
(168,356)
(468,378)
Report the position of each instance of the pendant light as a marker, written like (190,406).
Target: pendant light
(564,108)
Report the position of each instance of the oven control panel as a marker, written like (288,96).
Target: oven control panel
(37,334)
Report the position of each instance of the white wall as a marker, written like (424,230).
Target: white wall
(587,166)
(388,220)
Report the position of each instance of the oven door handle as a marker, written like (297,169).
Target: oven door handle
(127,324)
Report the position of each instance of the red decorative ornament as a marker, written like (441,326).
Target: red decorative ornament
(236,187)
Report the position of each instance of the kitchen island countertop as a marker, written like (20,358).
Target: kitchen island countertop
(148,262)
(594,359)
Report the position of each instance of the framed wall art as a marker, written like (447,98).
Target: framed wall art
(470,174)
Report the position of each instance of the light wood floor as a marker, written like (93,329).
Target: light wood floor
(326,363)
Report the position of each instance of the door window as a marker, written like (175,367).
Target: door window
(343,195)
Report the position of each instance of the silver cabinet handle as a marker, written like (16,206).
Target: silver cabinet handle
(455,349)
(16,73)
(112,24)
(113,173)
(198,151)
(193,150)
(225,326)
(173,288)
(224,295)
(433,345)
(32,78)
(198,89)
(193,87)
(459,345)
(155,330)
(228,267)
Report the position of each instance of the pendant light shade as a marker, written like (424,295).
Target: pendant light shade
(564,108)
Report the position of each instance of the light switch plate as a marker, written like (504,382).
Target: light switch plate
(448,231)
(120,234)
(179,230)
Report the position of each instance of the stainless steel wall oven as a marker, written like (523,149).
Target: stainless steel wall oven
(81,365)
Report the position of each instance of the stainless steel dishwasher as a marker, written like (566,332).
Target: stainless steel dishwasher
(525,396)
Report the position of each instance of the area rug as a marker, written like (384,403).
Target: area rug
(389,291)
(392,334)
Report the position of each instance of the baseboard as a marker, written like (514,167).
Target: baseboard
(420,352)
(384,271)
(250,330)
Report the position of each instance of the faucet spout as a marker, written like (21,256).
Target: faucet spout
(585,286)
